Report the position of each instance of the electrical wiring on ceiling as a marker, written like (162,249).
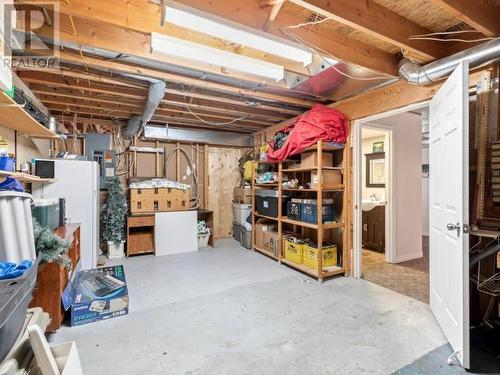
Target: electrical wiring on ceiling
(433,36)
(215,123)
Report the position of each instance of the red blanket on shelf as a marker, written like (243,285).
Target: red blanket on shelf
(319,123)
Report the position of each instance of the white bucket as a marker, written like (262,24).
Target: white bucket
(17,242)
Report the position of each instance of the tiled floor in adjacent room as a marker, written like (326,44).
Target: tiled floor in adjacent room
(410,278)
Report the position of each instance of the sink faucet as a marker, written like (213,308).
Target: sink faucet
(373,197)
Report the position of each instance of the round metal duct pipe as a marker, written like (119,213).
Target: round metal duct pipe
(424,74)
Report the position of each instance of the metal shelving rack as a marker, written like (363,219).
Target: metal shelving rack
(341,226)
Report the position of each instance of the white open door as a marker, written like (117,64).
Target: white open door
(449,197)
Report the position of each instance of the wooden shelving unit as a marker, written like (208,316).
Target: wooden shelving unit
(14,117)
(336,229)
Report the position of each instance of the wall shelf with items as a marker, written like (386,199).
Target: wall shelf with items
(329,188)
(14,117)
(25,177)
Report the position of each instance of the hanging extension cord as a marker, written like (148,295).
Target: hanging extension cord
(196,200)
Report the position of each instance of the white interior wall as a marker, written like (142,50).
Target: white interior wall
(367,148)
(407,154)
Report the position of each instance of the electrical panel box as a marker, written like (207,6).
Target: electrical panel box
(107,162)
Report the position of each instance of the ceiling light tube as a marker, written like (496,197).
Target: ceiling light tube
(168,45)
(219,30)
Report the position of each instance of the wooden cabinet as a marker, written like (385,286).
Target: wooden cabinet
(52,278)
(374,228)
(140,235)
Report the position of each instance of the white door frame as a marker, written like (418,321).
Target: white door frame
(390,229)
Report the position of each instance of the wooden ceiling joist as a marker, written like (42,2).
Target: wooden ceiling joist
(56,82)
(65,118)
(479,14)
(339,47)
(100,78)
(118,40)
(376,20)
(84,101)
(95,28)
(135,16)
(117,66)
(52,101)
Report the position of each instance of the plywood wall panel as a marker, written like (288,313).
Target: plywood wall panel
(224,175)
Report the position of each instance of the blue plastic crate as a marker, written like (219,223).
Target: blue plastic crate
(293,210)
(309,213)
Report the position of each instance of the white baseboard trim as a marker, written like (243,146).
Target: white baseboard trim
(411,256)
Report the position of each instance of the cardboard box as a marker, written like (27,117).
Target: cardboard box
(95,300)
(310,159)
(262,226)
(331,179)
(159,200)
(270,241)
(242,195)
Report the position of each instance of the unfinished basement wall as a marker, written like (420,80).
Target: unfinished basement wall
(26,148)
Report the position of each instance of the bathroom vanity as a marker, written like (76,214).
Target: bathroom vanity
(374,227)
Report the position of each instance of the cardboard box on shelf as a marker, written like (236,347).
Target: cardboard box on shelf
(100,294)
(242,195)
(331,179)
(310,159)
(261,227)
(270,242)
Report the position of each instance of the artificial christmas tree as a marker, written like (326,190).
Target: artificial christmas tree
(114,219)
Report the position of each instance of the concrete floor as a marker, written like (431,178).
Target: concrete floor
(232,311)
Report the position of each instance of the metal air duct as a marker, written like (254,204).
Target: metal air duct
(423,75)
(136,123)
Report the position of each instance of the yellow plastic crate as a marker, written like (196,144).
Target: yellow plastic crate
(293,249)
(310,255)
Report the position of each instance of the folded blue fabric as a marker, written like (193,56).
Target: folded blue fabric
(11,184)
(12,270)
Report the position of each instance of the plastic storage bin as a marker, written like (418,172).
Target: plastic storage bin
(241,212)
(237,231)
(46,212)
(17,242)
(294,249)
(15,296)
(309,211)
(310,255)
(266,202)
(246,238)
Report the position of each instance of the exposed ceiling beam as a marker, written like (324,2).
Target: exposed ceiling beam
(92,32)
(85,120)
(116,66)
(94,77)
(378,21)
(119,40)
(68,119)
(275,6)
(136,109)
(134,17)
(340,47)
(40,78)
(481,15)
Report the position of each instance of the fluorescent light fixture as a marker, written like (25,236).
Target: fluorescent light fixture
(168,45)
(206,26)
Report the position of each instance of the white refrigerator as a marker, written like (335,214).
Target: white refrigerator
(78,182)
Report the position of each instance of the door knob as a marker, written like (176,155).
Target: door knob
(454,227)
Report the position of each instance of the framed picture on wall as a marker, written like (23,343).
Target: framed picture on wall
(378,146)
(375,170)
